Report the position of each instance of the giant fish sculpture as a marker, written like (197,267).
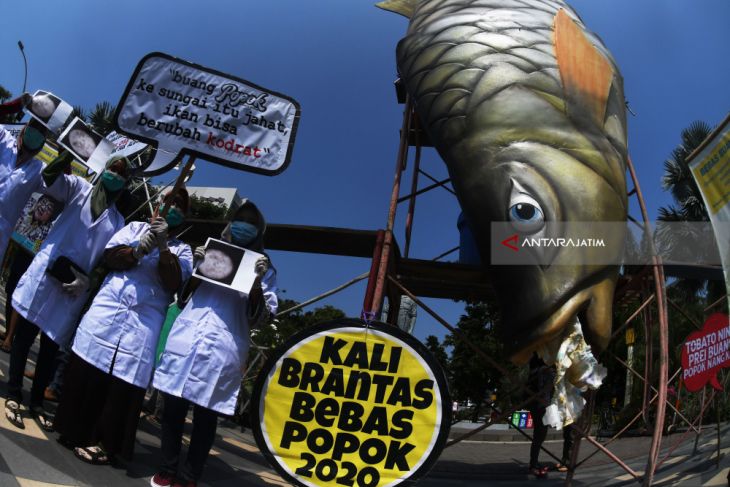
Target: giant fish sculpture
(526,108)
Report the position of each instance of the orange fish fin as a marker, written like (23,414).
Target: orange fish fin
(402,7)
(586,73)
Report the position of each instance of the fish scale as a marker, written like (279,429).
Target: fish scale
(521,101)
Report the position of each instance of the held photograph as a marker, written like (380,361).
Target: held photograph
(227,265)
(50,110)
(88,147)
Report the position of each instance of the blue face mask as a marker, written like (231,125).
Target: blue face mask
(33,139)
(243,233)
(112,181)
(174,216)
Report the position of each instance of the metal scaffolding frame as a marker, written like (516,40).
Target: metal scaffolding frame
(391,275)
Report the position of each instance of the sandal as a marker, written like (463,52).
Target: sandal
(12,412)
(94,455)
(561,467)
(539,472)
(44,420)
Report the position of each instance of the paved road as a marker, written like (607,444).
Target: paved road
(32,457)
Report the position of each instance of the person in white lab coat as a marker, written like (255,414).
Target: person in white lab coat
(115,344)
(206,352)
(51,293)
(20,171)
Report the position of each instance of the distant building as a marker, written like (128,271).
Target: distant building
(227,197)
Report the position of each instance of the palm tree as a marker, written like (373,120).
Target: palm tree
(101,118)
(78,111)
(4,94)
(682,241)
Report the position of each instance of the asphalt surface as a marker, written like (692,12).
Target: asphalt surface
(33,458)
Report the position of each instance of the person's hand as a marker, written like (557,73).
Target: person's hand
(26,99)
(159,228)
(199,254)
(261,266)
(78,286)
(144,246)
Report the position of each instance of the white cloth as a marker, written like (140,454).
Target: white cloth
(127,314)
(39,297)
(567,401)
(16,185)
(207,348)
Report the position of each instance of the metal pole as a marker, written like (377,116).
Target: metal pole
(699,430)
(25,63)
(659,284)
(388,238)
(414,187)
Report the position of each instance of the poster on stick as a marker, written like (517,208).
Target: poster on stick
(50,110)
(706,352)
(183,108)
(353,403)
(88,147)
(228,265)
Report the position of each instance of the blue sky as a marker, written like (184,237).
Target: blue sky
(337,58)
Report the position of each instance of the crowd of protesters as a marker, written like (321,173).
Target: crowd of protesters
(98,292)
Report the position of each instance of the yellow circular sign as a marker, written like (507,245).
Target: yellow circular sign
(352,404)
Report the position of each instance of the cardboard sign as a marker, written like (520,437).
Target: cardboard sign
(351,403)
(88,147)
(183,108)
(706,352)
(50,110)
(228,265)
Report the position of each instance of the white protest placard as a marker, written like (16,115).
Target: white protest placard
(50,110)
(125,146)
(183,108)
(13,128)
(228,265)
(88,147)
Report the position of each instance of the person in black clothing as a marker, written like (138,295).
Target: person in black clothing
(541,380)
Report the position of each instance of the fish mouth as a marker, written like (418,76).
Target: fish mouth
(593,308)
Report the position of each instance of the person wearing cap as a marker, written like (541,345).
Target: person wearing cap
(113,352)
(50,295)
(20,171)
(206,352)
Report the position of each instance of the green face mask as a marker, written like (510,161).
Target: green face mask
(174,216)
(33,139)
(112,181)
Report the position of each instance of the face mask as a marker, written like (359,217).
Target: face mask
(33,139)
(174,216)
(112,181)
(243,233)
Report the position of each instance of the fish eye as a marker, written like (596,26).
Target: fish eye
(525,214)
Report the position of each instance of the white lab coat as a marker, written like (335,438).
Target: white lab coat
(39,298)
(127,314)
(207,348)
(16,186)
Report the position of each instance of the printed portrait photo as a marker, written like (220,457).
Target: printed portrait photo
(80,140)
(221,262)
(43,105)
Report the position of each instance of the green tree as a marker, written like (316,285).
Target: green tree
(438,351)
(101,118)
(472,377)
(4,94)
(78,111)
